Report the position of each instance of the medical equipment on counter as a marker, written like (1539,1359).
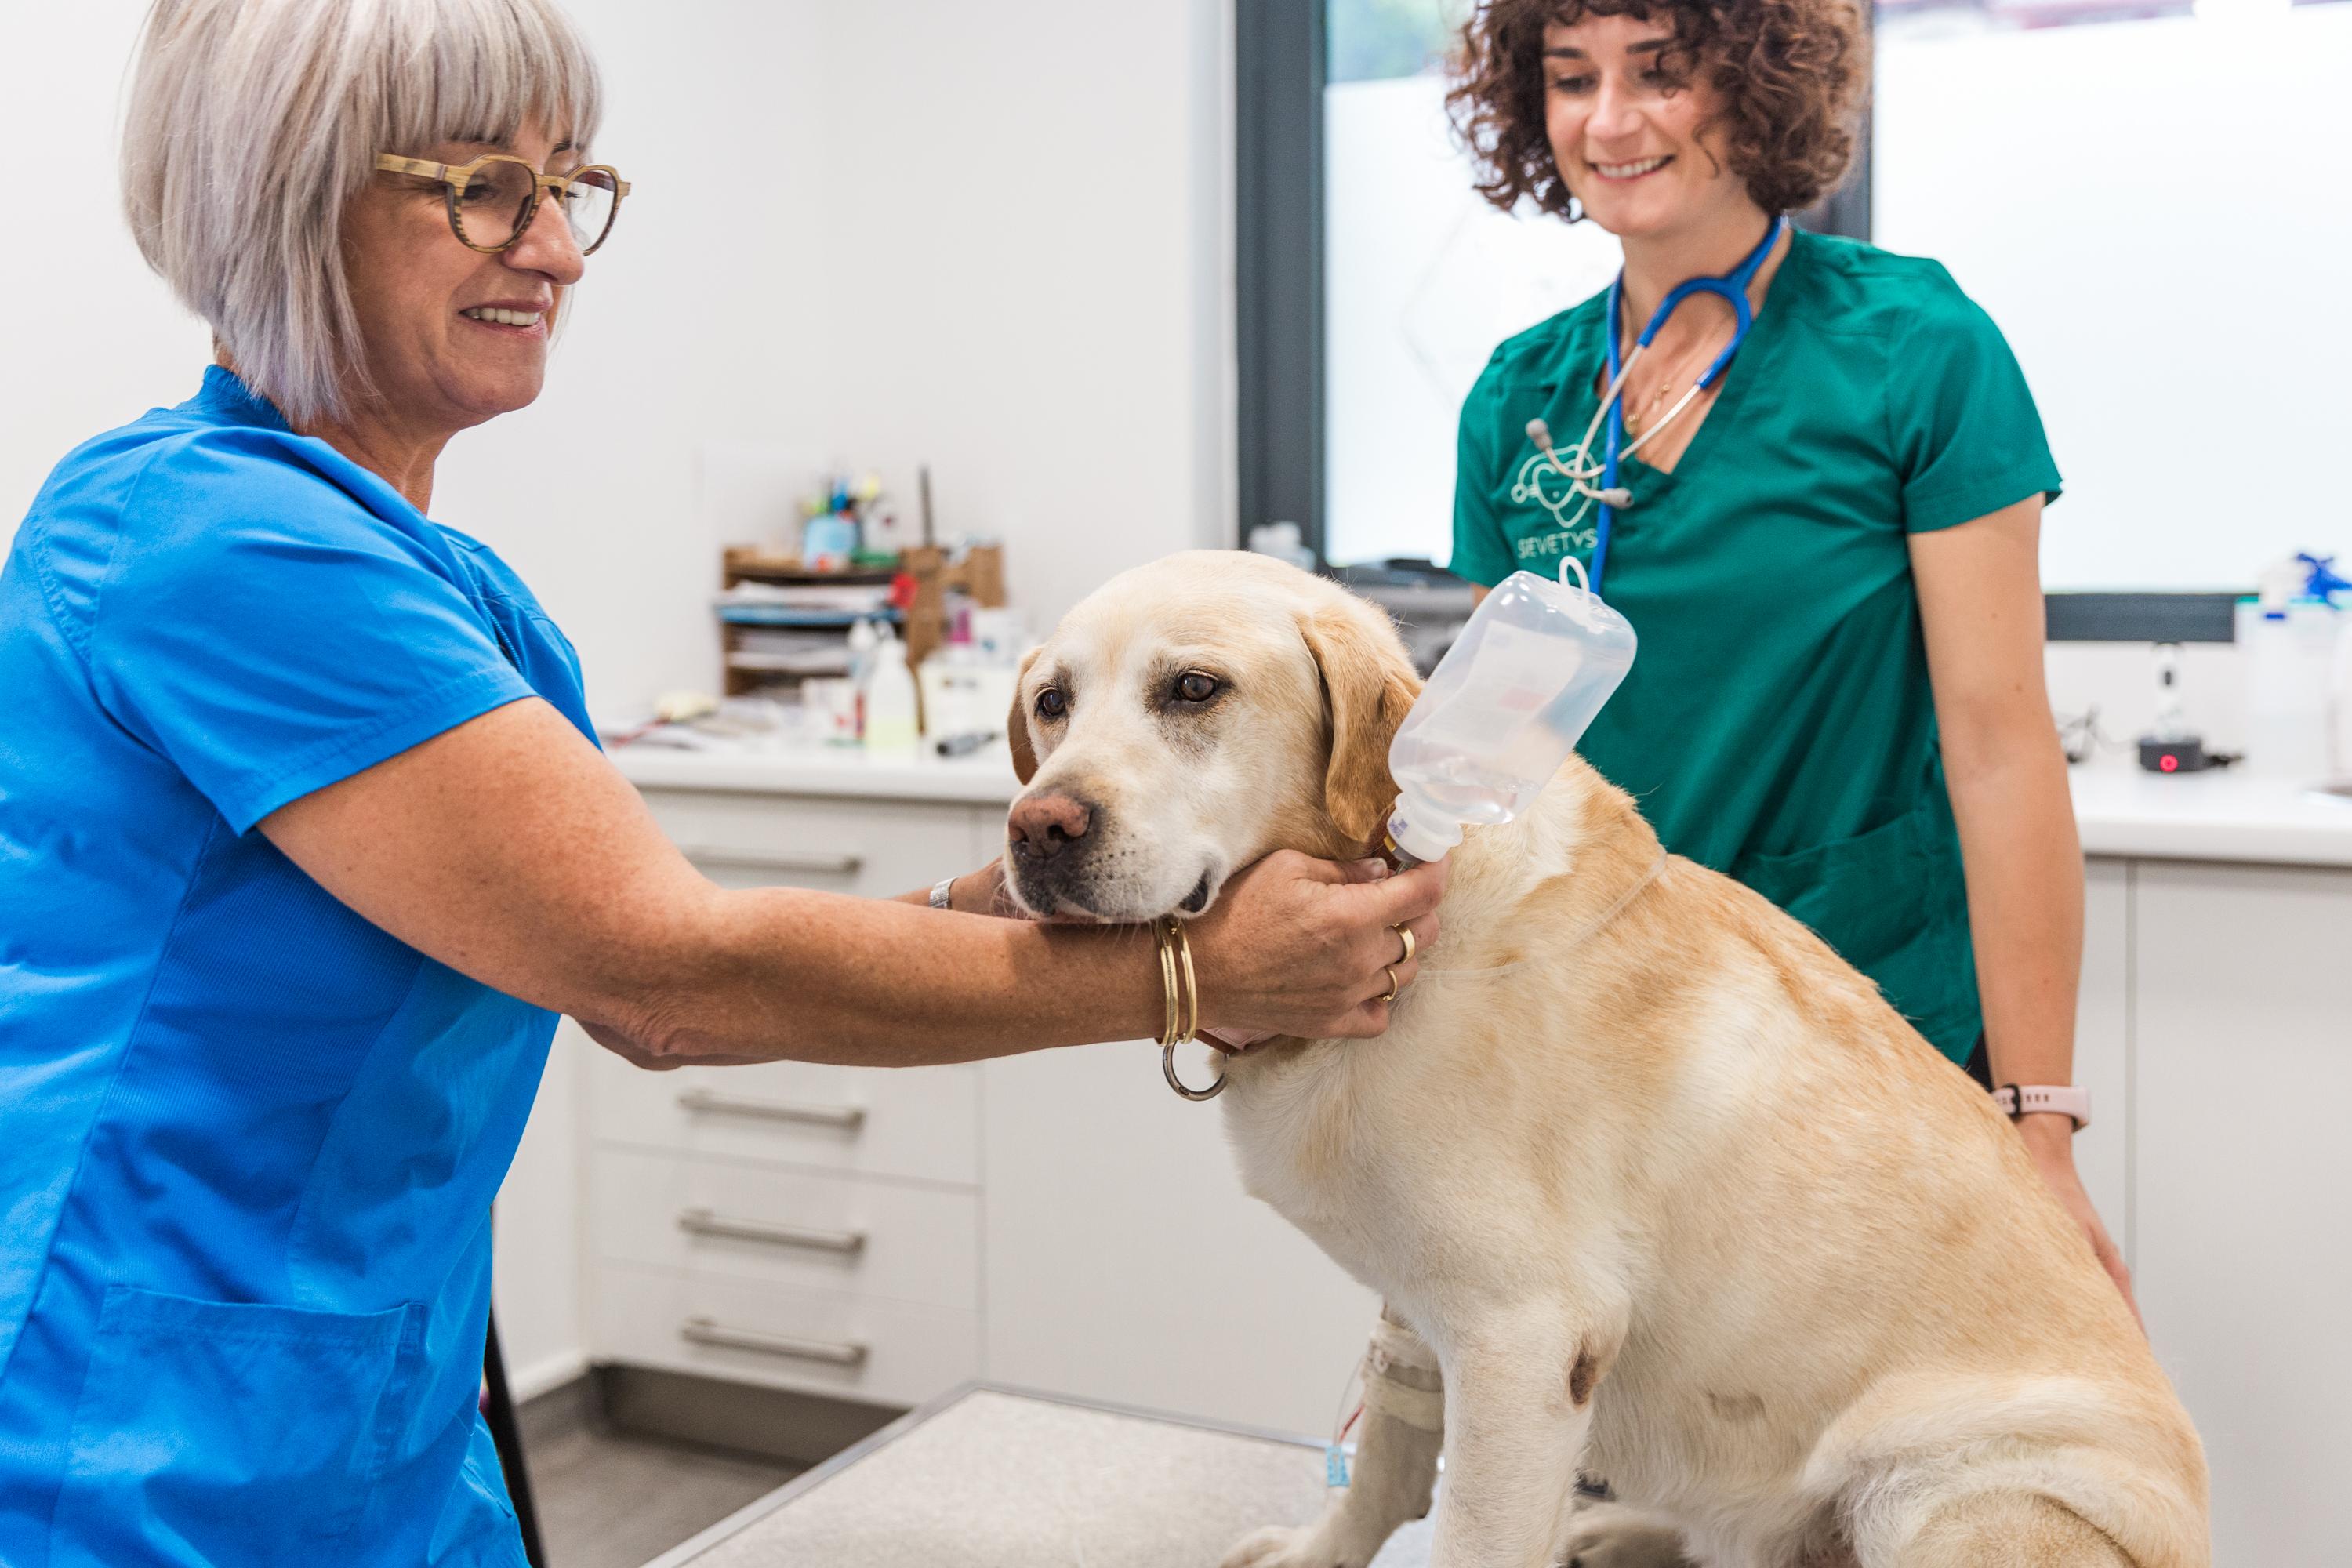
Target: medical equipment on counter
(2293,661)
(2172,747)
(890,701)
(2340,688)
(1504,708)
(2325,583)
(1577,467)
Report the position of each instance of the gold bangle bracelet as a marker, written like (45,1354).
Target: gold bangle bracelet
(1191,981)
(1168,990)
(1181,985)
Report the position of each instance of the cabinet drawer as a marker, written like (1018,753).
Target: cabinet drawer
(874,849)
(890,1352)
(920,1122)
(848,1233)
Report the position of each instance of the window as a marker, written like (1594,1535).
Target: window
(2150,198)
(1422,279)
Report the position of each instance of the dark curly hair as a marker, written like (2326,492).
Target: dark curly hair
(1791,76)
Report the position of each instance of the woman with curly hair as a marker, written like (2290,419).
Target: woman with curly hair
(1829,551)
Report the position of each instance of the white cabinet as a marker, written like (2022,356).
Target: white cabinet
(920,1124)
(2102,1042)
(794,1224)
(871,847)
(1058,1220)
(2242,1099)
(756,1330)
(1126,1264)
(809,1230)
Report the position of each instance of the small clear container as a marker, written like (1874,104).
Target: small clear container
(1502,709)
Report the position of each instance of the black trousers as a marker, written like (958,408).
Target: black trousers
(1979,1065)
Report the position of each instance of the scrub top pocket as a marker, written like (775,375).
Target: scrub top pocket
(217,1433)
(1883,900)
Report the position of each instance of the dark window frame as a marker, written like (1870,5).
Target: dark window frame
(1279,63)
(1278,272)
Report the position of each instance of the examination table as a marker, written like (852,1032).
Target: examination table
(995,1477)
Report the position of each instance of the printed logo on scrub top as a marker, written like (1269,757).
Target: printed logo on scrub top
(1544,485)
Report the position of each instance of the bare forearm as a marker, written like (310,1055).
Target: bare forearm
(508,849)
(2025,907)
(777,973)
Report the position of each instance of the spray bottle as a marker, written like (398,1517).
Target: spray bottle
(1502,709)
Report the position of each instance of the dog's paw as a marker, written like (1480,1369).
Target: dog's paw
(1278,1547)
(1609,1535)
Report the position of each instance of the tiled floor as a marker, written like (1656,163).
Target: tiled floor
(606,1501)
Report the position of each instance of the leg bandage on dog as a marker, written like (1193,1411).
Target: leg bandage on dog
(1401,1377)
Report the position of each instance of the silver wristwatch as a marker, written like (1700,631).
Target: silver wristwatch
(941,891)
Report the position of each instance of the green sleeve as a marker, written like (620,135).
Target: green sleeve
(1966,438)
(1481,552)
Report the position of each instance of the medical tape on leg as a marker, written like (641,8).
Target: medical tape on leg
(1401,1379)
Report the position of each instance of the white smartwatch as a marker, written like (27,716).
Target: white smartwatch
(2017,1100)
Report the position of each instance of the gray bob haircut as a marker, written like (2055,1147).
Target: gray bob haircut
(252,123)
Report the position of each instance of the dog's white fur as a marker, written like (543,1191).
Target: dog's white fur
(1679,1201)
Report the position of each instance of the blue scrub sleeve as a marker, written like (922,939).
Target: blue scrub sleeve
(1481,552)
(270,635)
(1967,440)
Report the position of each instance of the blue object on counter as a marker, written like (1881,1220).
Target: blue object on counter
(832,536)
(2322,581)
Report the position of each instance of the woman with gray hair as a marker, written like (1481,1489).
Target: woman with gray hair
(305,840)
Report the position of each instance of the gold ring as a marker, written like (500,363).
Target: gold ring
(1393,983)
(1406,932)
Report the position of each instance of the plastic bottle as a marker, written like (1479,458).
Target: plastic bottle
(2340,690)
(865,636)
(1502,709)
(2331,586)
(2290,648)
(890,701)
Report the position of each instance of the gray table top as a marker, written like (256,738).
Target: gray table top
(995,1477)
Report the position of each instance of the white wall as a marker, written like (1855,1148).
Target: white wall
(94,339)
(991,239)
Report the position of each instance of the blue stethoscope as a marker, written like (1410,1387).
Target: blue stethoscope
(1577,466)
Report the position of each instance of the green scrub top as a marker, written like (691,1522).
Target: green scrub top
(1778,723)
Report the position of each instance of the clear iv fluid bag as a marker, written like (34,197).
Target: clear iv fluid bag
(1502,711)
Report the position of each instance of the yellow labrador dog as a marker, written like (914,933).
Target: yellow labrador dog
(1654,1186)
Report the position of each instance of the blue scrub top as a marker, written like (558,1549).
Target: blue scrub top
(247,1141)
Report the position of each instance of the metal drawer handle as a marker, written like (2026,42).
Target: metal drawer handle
(707,1331)
(849,1118)
(775,861)
(703,1222)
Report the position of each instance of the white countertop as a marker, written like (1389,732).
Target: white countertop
(2220,816)
(983,778)
(2223,815)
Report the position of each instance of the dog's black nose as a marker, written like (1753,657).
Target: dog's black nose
(1041,825)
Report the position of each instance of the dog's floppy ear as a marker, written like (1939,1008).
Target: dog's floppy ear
(1369,686)
(1016,722)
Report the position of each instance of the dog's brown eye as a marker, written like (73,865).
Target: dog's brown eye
(1194,686)
(1051,703)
